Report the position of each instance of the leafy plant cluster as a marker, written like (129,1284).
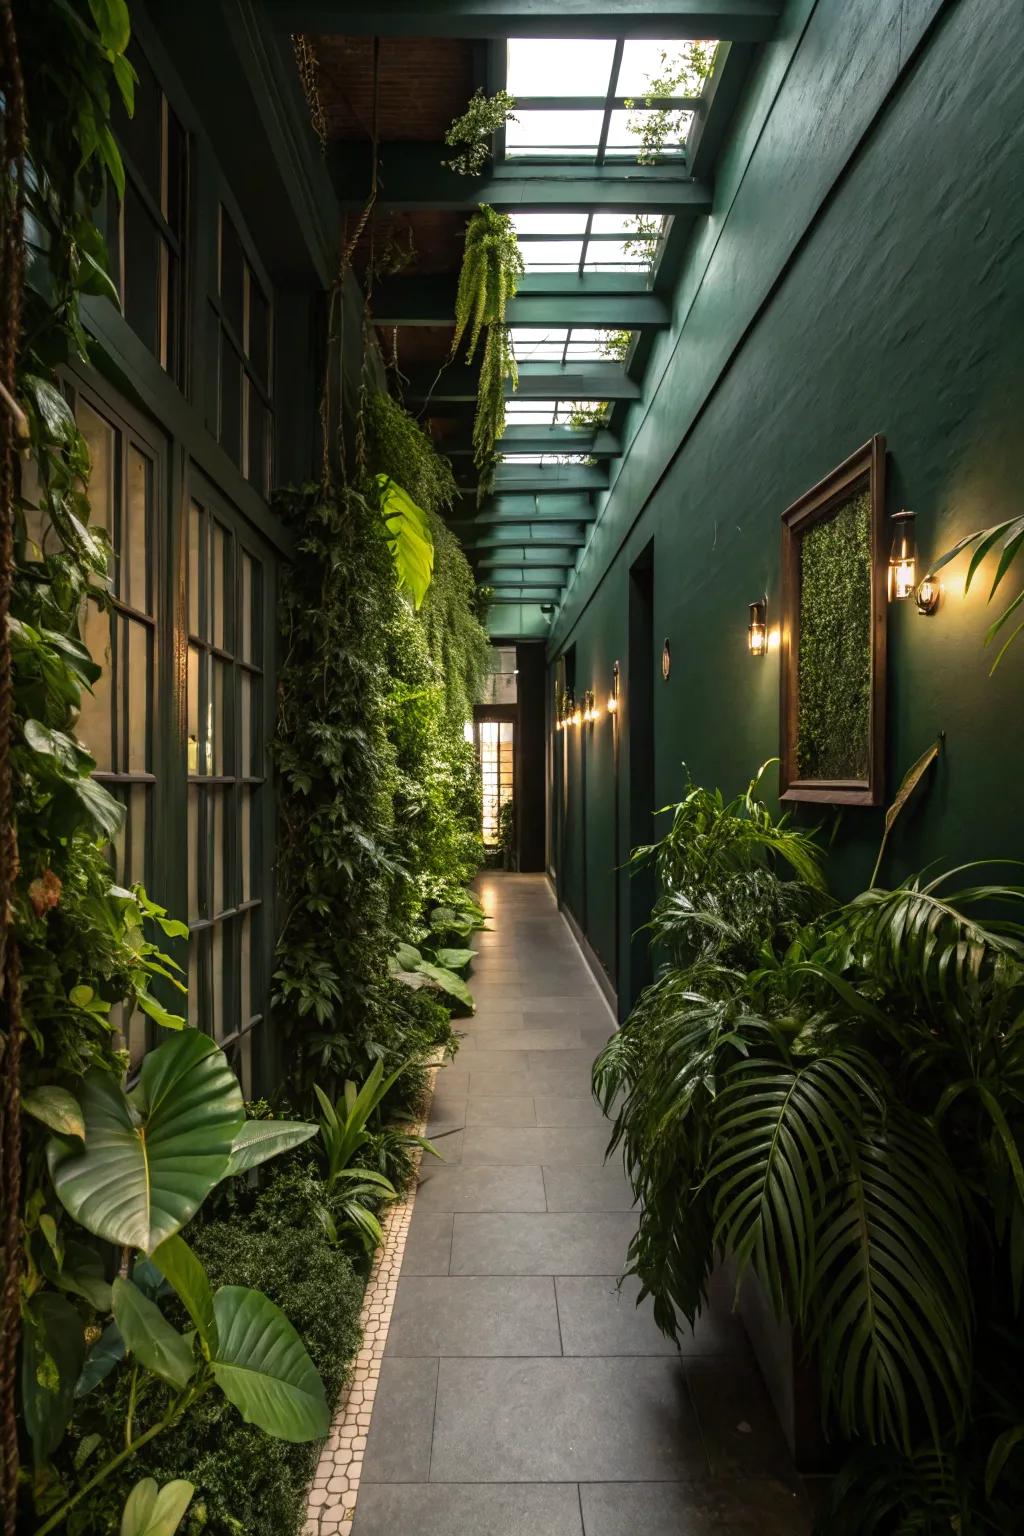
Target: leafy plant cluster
(492,265)
(660,127)
(834,663)
(472,133)
(830,1098)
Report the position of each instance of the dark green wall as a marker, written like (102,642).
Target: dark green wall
(863,272)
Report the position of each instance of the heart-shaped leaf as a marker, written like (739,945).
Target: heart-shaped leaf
(263,1369)
(149,1336)
(183,1270)
(448,982)
(153,1511)
(151,1159)
(107,1352)
(455,959)
(83,1273)
(56,1108)
(260,1140)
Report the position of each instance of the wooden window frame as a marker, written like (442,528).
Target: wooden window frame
(864,469)
(261,477)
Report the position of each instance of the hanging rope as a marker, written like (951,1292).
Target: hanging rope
(12,427)
(309,76)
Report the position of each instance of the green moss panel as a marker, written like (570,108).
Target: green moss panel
(834,661)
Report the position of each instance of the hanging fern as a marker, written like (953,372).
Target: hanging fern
(491,269)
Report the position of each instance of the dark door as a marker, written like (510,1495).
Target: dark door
(638,890)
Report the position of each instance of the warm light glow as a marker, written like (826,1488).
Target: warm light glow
(902,557)
(757,629)
(613,703)
(928,594)
(577,718)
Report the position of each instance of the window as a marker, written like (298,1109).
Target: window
(500,683)
(579,415)
(597,242)
(116,723)
(554,344)
(227,866)
(147,233)
(245,416)
(497,750)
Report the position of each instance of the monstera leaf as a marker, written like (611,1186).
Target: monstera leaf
(151,1157)
(262,1367)
(412,545)
(260,1140)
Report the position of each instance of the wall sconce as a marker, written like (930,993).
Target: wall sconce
(757,629)
(903,557)
(589,707)
(577,716)
(613,697)
(927,595)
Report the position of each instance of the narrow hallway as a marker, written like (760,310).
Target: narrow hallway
(521,1393)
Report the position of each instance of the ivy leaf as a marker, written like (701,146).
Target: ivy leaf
(125,76)
(54,412)
(149,1336)
(56,1108)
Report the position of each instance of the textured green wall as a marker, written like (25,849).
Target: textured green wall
(863,272)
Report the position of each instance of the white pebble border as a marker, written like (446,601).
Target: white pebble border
(332,1498)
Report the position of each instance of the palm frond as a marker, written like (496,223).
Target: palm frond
(890,1314)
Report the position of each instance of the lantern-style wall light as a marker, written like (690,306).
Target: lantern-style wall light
(757,628)
(613,697)
(903,557)
(589,707)
(577,716)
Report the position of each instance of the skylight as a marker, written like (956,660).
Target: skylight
(572,345)
(579,99)
(554,413)
(598,242)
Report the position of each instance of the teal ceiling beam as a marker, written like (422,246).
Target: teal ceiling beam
(417,301)
(537,381)
(413,177)
(555,507)
(537,575)
(520,546)
(520,479)
(750,20)
(484,534)
(599,445)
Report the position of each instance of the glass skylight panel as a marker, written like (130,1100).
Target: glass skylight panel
(551,255)
(647,59)
(549,223)
(570,412)
(617,256)
(625,132)
(559,66)
(570,132)
(545,458)
(537,345)
(614,223)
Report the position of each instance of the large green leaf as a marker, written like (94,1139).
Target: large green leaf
(182,1269)
(448,982)
(262,1367)
(154,1511)
(260,1140)
(52,1352)
(890,1313)
(149,1336)
(107,1352)
(455,959)
(56,1108)
(151,1158)
(409,536)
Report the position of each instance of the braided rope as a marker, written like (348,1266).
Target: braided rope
(12,205)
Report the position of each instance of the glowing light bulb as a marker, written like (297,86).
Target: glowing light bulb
(903,558)
(757,629)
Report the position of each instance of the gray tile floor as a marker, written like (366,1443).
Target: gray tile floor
(523,1393)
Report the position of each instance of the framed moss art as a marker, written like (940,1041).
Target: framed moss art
(833,636)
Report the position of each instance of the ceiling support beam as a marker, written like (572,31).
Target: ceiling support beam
(537,381)
(417,301)
(750,20)
(598,445)
(412,177)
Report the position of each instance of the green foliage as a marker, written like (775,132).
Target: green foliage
(153,1511)
(1006,538)
(491,268)
(409,538)
(662,127)
(834,664)
(482,119)
(831,1098)
(398,447)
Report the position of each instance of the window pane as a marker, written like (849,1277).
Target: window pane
(551,255)
(554,133)
(559,66)
(134,563)
(94,725)
(245,617)
(140,133)
(198,745)
(232,275)
(245,963)
(217,1020)
(230,401)
(141,271)
(196,567)
(102,441)
(246,829)
(218,583)
(216,718)
(194,793)
(215,848)
(194,969)
(137,661)
(259,334)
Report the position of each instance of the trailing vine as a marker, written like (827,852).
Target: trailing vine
(475,129)
(660,126)
(491,268)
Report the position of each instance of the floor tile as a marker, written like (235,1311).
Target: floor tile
(588,1189)
(598,1317)
(428,1247)
(474,1315)
(741,1432)
(485,1078)
(592,1244)
(501,1109)
(481,1189)
(473,1509)
(566,1109)
(561,1037)
(398,1445)
(563,1420)
(745,1508)
(552,1146)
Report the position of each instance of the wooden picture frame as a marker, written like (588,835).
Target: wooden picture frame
(861,779)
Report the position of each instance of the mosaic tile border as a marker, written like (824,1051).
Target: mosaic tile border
(332,1498)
